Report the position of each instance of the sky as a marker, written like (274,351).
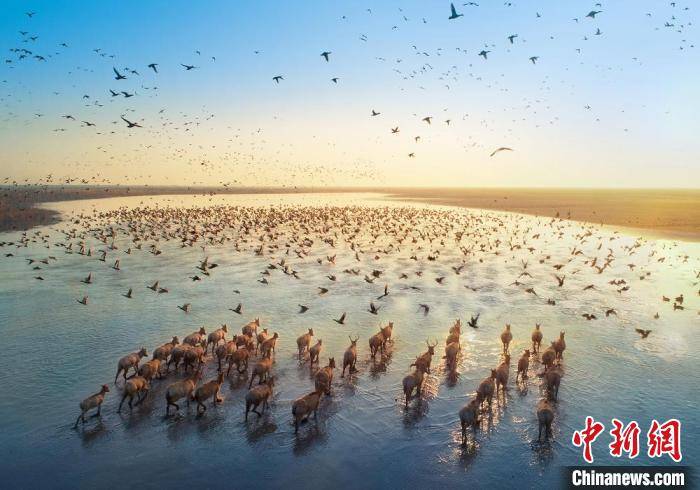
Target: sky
(613,109)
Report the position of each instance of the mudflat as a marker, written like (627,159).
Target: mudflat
(663,212)
(667,213)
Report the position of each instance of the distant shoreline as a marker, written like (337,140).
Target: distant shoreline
(668,213)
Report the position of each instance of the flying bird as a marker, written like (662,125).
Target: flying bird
(118,76)
(131,124)
(502,148)
(454,14)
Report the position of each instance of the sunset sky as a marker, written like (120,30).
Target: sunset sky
(621,112)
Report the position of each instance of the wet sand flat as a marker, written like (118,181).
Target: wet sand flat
(668,213)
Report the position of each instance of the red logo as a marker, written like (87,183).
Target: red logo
(625,439)
(662,439)
(587,436)
(665,439)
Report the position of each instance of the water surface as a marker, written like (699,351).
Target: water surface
(57,351)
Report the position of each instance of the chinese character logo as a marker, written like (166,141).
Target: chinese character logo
(587,437)
(665,439)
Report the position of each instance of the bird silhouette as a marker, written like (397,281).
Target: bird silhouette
(453,12)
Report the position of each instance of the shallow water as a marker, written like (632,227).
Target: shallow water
(56,352)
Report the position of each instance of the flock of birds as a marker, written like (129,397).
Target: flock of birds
(178,137)
(291,241)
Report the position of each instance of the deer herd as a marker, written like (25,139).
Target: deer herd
(256,344)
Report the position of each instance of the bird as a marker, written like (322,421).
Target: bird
(131,124)
(238,309)
(560,279)
(335,79)
(502,148)
(589,316)
(153,287)
(395,130)
(427,119)
(425,308)
(534,59)
(128,294)
(303,309)
(593,13)
(88,279)
(454,14)
(188,67)
(83,301)
(154,67)
(341,320)
(375,113)
(326,54)
(118,76)
(322,291)
(642,332)
(278,78)
(185,307)
(373,309)
(610,311)
(512,37)
(474,320)
(484,53)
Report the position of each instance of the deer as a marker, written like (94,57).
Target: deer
(523,365)
(536,338)
(195,338)
(413,381)
(260,394)
(506,337)
(469,416)
(251,328)
(545,417)
(268,346)
(91,402)
(425,359)
(350,356)
(314,352)
(130,362)
(559,346)
(324,377)
(304,341)
(304,406)
(485,390)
